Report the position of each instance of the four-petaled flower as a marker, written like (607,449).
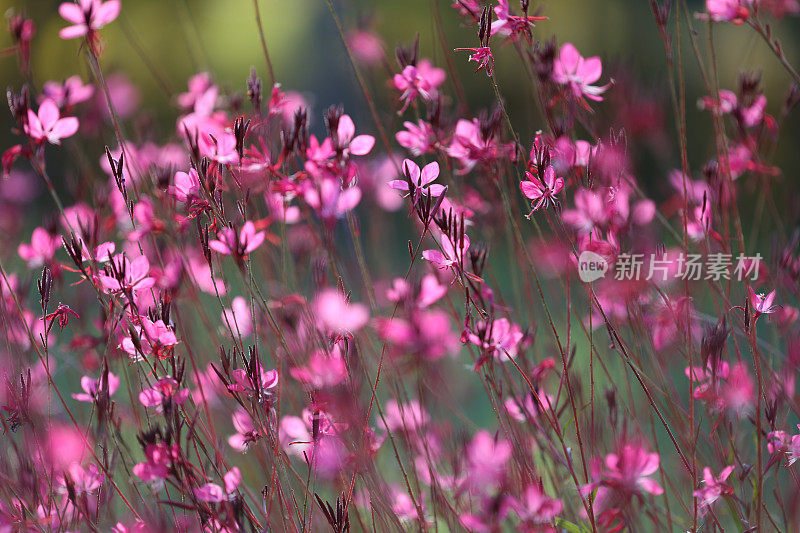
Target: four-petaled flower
(762,304)
(541,192)
(46,125)
(228,243)
(92,387)
(165,390)
(572,69)
(87,16)
(715,487)
(420,80)
(421,180)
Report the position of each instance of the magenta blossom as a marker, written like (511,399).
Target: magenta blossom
(211,492)
(87,16)
(714,487)
(46,125)
(159,459)
(762,304)
(337,315)
(727,11)
(83,480)
(621,476)
(541,192)
(153,338)
(67,94)
(511,25)
(323,370)
(246,433)
(92,388)
(499,339)
(61,315)
(228,243)
(41,250)
(187,186)
(124,274)
(417,138)
(238,317)
(421,80)
(572,69)
(166,390)
(348,142)
(422,180)
(482,56)
(409,418)
(449,256)
(536,507)
(258,388)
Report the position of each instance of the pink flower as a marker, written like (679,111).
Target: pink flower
(542,193)
(529,407)
(323,370)
(246,433)
(211,492)
(335,314)
(536,507)
(92,388)
(570,68)
(714,488)
(62,314)
(280,210)
(228,243)
(245,383)
(511,25)
(84,481)
(430,291)
(330,200)
(238,317)
(725,103)
(165,391)
(449,256)
(408,418)
(159,458)
(187,186)
(498,339)
(782,442)
(727,11)
(482,56)
(403,506)
(366,46)
(761,304)
(198,85)
(421,80)
(621,476)
(305,435)
(41,250)
(754,115)
(422,180)
(87,16)
(417,138)
(46,124)
(221,147)
(347,141)
(470,145)
(124,274)
(738,393)
(487,458)
(67,94)
(153,338)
